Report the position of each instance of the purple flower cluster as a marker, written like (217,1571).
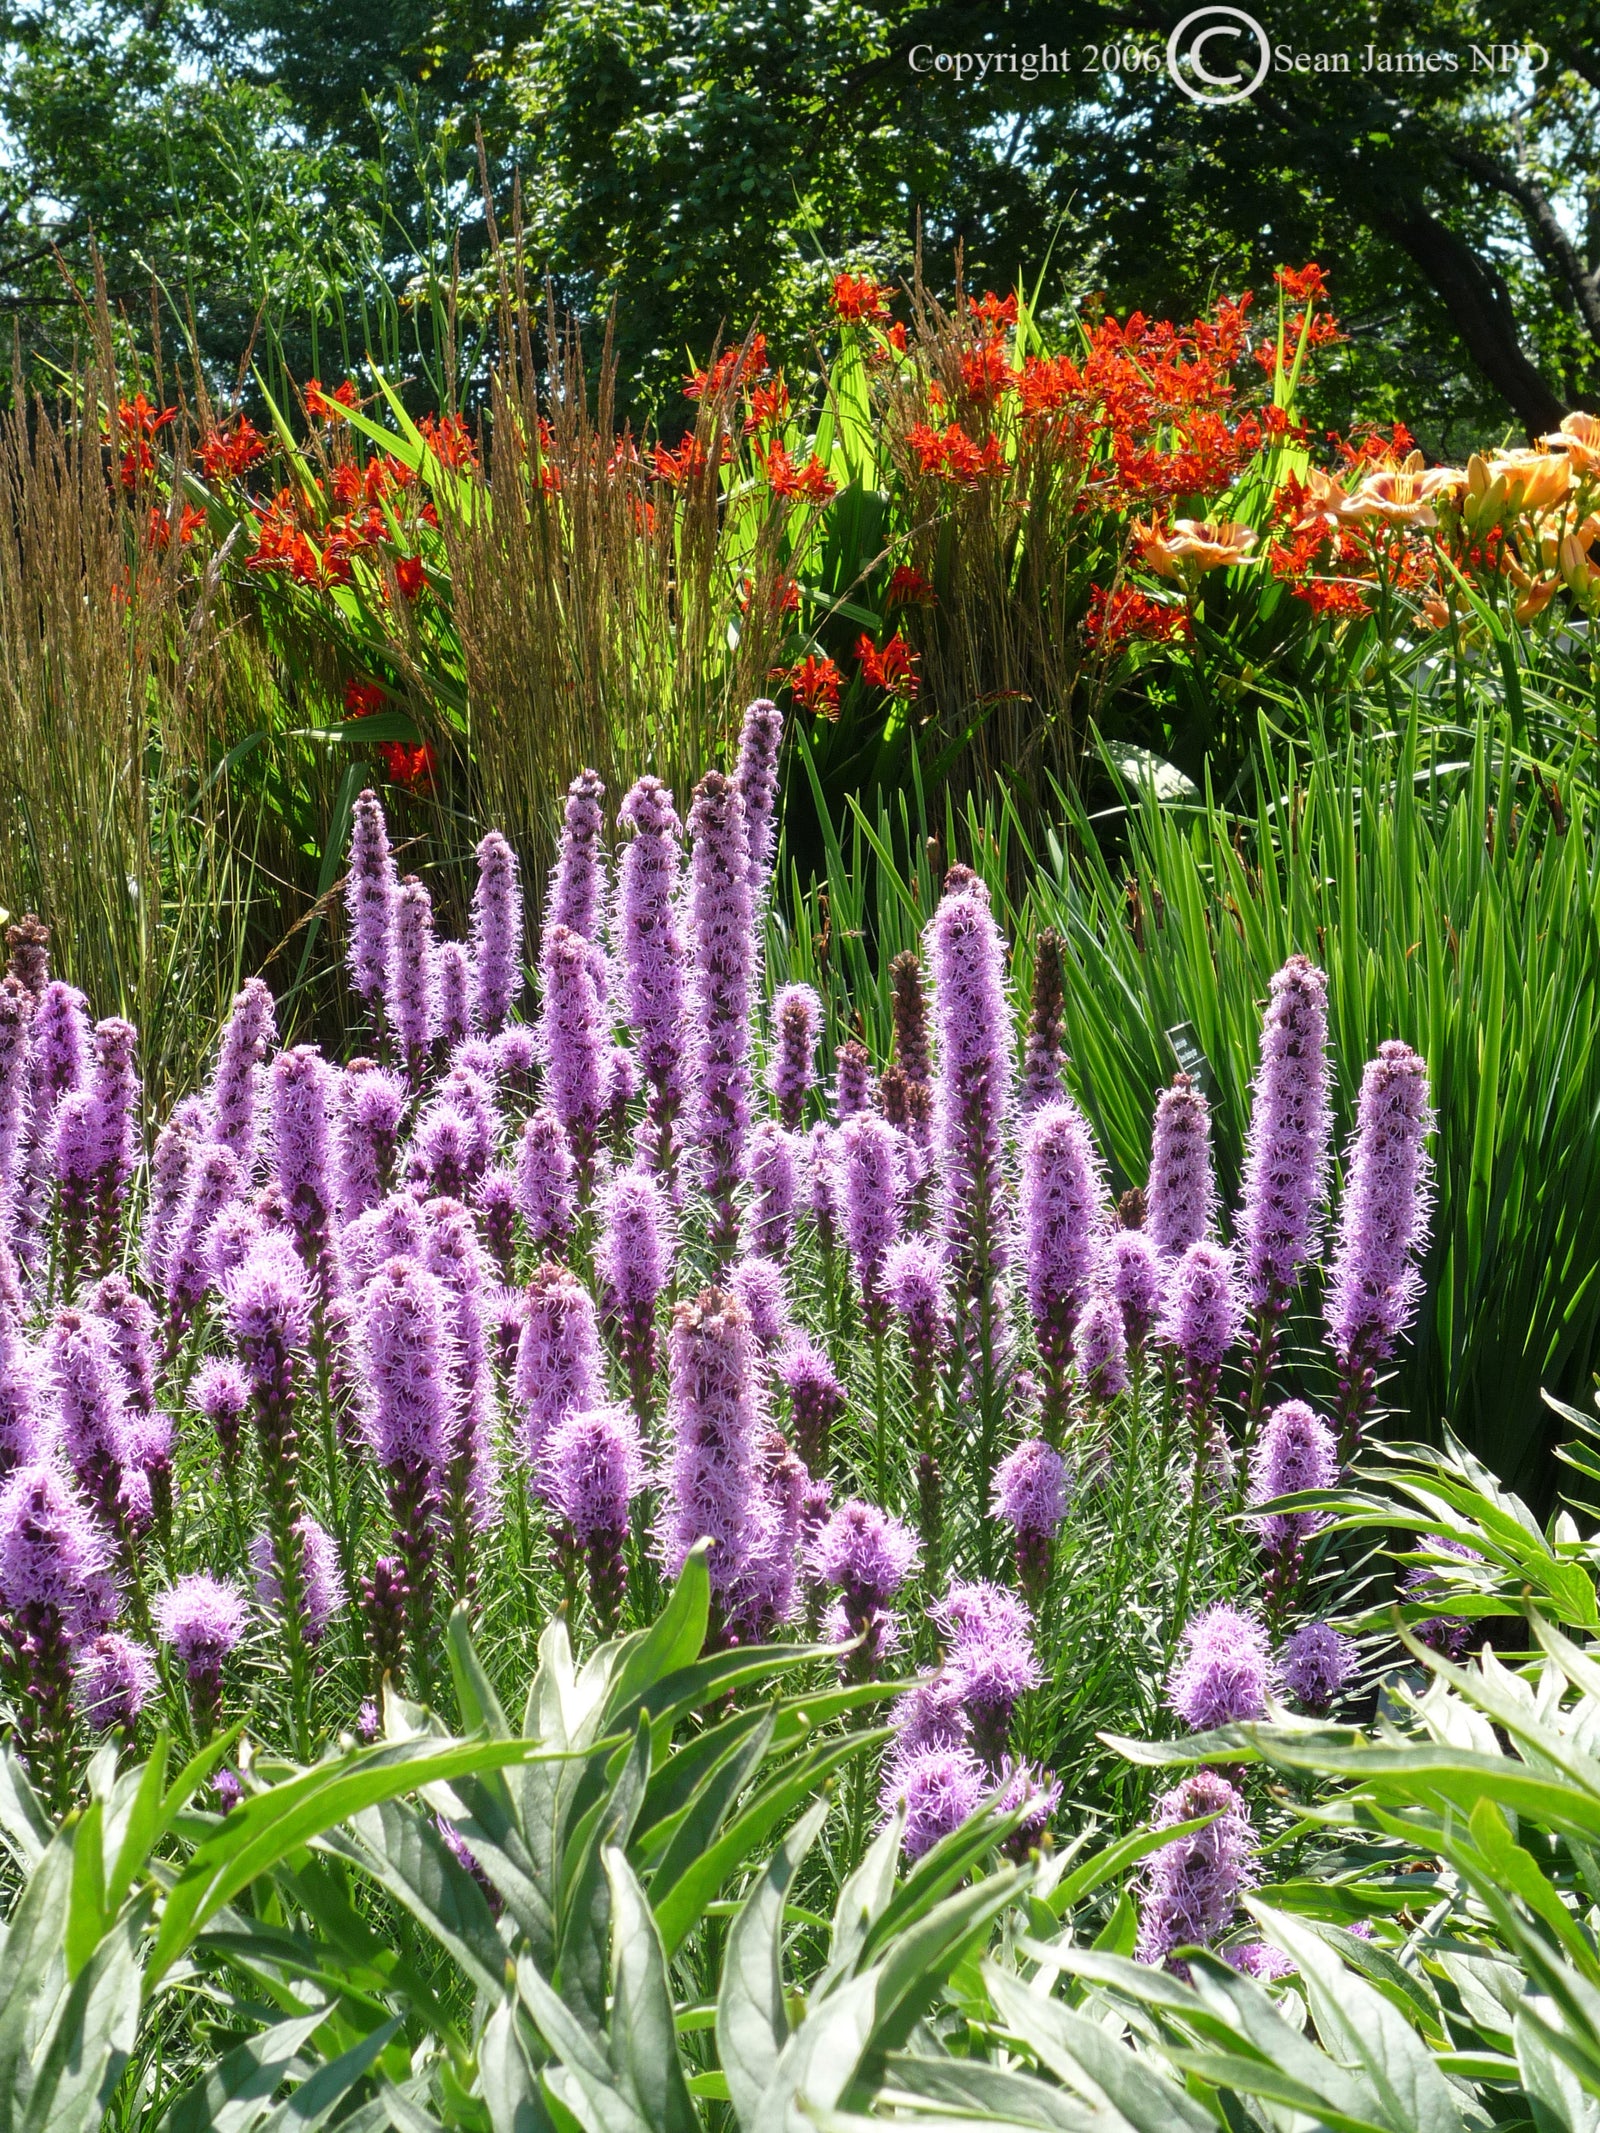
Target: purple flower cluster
(866,1555)
(1295,1451)
(1181,1201)
(1286,1154)
(1192,1885)
(1224,1671)
(724,962)
(796,1022)
(1374,1284)
(973,1096)
(322,1593)
(653,956)
(496,934)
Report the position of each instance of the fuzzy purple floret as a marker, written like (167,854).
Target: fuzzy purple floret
(653,956)
(1374,1286)
(1258,1959)
(822,1176)
(1133,1273)
(454,1256)
(394,1229)
(91,1401)
(817,1399)
(300,1088)
(114,1679)
(939,1788)
(796,1021)
(1182,1196)
(16,1012)
(633,1258)
(410,1408)
(267,1301)
(852,1084)
(411,970)
(369,893)
(1317,1665)
(577,892)
(177,1145)
(1191,1886)
(869,1175)
(1102,1346)
(593,1468)
(1296,1450)
(370,1105)
(251,1032)
(1032,1486)
(756,778)
(1286,1154)
(1204,1313)
(1224,1670)
(546,1187)
(722,930)
(713,1473)
(575,1040)
(452,993)
(322,1589)
(866,1553)
(930,1714)
(916,1281)
(496,934)
(202,1618)
(973,1028)
(1063,1214)
(989,1656)
(52,1555)
(560,1368)
(774,1183)
(216,1181)
(27,1406)
(760,1286)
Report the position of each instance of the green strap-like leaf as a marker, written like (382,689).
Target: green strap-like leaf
(644,2038)
(1093,2062)
(752,2025)
(320,2094)
(237,2093)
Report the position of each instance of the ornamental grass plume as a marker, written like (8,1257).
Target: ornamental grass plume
(560,1367)
(410,996)
(1032,1487)
(1295,1451)
(53,1566)
(917,1286)
(1181,1201)
(575,1045)
(937,1788)
(202,1619)
(113,1679)
(371,888)
(654,960)
(866,1556)
(775,1185)
(712,1471)
(1064,1215)
(1224,1670)
(1286,1159)
(322,1586)
(989,1658)
(546,1183)
(796,1024)
(593,1469)
(869,1177)
(1317,1666)
(496,935)
(816,1399)
(369,1106)
(722,931)
(1191,1887)
(1374,1285)
(633,1260)
(1044,1059)
(410,1423)
(577,885)
(251,1032)
(756,781)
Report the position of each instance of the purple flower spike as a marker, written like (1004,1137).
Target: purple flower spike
(1286,1155)
(1102,1350)
(759,1286)
(653,955)
(370,1105)
(593,1469)
(452,993)
(516,1057)
(370,890)
(822,1180)
(455,1258)
(16,1012)
(724,968)
(1182,1198)
(115,1679)
(322,1593)
(917,1284)
(411,975)
(1317,1665)
(202,1618)
(496,934)
(51,1551)
(221,1392)
(59,1039)
(575,1041)
(974,1089)
(1204,1315)
(546,1190)
(26,1405)
(911,1053)
(1191,1886)
(560,1368)
(410,1420)
(756,779)
(1134,1275)
(867,1555)
(990,1660)
(171,1164)
(816,1398)
(301,1088)
(1037,1798)
(216,1181)
(1064,1217)
(870,1174)
(714,1482)
(92,1402)
(852,1088)
(576,886)
(796,1021)
(622,1086)
(939,1788)
(1044,1057)
(1297,1450)
(1223,1671)
(633,1261)
(267,1301)
(251,1032)
(1031,1489)
(774,1183)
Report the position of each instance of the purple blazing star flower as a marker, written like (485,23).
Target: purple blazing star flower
(560,1368)
(322,1593)
(714,1482)
(452,993)
(622,1086)
(796,1020)
(1286,1154)
(115,1679)
(1295,1451)
(454,1256)
(1063,1218)
(1258,1959)
(1191,1886)
(911,1053)
(870,1176)
(939,1788)
(1032,1486)
(410,1419)
(394,1229)
(1224,1670)
(370,889)
(216,1181)
(724,964)
(852,1087)
(202,1618)
(1317,1665)
(92,1403)
(593,1469)
(516,1056)
(447,1153)
(495,1199)
(990,1658)
(973,1023)
(1036,1796)
(577,889)
(1374,1285)
(1205,1312)
(1102,1349)
(916,1281)
(1450,1635)
(822,1179)
(1044,1056)
(251,1032)
(756,780)
(1182,1197)
(27,1407)
(52,1554)
(370,1105)
(816,1398)
(1134,1276)
(220,1392)
(171,1163)
(496,934)
(759,1286)
(546,1190)
(774,1182)
(300,1089)
(930,1714)
(411,975)
(867,1555)
(267,1302)
(633,1260)
(575,1041)
(16,1012)
(653,956)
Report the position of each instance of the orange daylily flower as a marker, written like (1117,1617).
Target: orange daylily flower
(1522,481)
(1401,496)
(1579,438)
(1192,545)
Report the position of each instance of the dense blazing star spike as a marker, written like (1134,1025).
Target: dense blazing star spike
(60,1042)
(301,1089)
(1295,1451)
(496,934)
(202,1618)
(410,997)
(1181,1202)
(230,1240)
(516,1057)
(939,1788)
(1287,1149)
(822,1180)
(1064,1218)
(92,1406)
(369,1106)
(1192,1885)
(1044,1059)
(1032,1487)
(455,1258)
(867,1555)
(967,958)
(494,1198)
(215,1181)
(1204,1313)
(322,1589)
(135,1337)
(220,1392)
(251,1032)
(774,1181)
(911,1049)
(990,1659)
(852,1088)
(796,1023)
(577,885)
(16,1012)
(370,892)
(654,960)
(594,1467)
(114,1679)
(546,1182)
(760,1286)
(385,1603)
(870,1176)
(1036,1796)
(394,1229)
(916,1281)
(12,1302)
(575,1041)
(930,1714)
(171,1162)
(79,1138)
(756,779)
(28,947)
(1136,1281)
(267,1304)
(52,1552)
(714,1481)
(1318,1665)
(724,961)
(816,1398)
(1224,1671)
(27,1399)
(622,1086)
(1102,1350)
(411,1421)
(633,1261)
(560,1367)
(452,993)
(445,1156)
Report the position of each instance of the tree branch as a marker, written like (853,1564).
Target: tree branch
(1544,224)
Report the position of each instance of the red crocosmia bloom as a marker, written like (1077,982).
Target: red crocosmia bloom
(363,698)
(1116,619)
(815,684)
(412,768)
(858,300)
(1303,285)
(1049,383)
(909,588)
(929,447)
(967,461)
(323,406)
(894,338)
(233,452)
(139,416)
(137,462)
(1337,598)
(409,576)
(347,484)
(681,467)
(769,406)
(891,667)
(998,313)
(985,373)
(812,481)
(449,440)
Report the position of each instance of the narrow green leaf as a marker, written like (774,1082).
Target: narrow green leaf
(752,2023)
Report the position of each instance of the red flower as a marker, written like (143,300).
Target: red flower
(815,683)
(1337,597)
(1303,285)
(985,373)
(859,301)
(411,767)
(347,484)
(896,337)
(909,588)
(282,545)
(449,440)
(1115,619)
(893,667)
(139,416)
(323,406)
(769,406)
(811,481)
(735,367)
(409,576)
(929,447)
(363,698)
(231,452)
(682,466)
(159,527)
(998,313)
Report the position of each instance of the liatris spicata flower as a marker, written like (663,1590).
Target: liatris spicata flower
(370,1105)
(1374,1285)
(867,1555)
(633,1260)
(496,934)
(133,1329)
(267,1302)
(1044,1058)
(713,1475)
(974,1089)
(916,1283)
(52,1557)
(1295,1451)
(816,1399)
(796,1019)
(546,1190)
(385,1602)
(410,1000)
(394,1229)
(302,1157)
(1181,1202)
(576,888)
(92,1403)
(495,1199)
(1317,1663)
(1257,1959)
(653,956)
(410,1421)
(756,779)
(1133,1274)
(1102,1350)
(446,1152)
(930,1714)
(1448,1634)
(322,1590)
(723,933)
(1191,1886)
(869,1174)
(27,1416)
(452,992)
(852,1088)
(622,1086)
(559,1364)
(1063,1218)
(774,1185)
(454,1257)
(220,1392)
(516,1057)
(593,1469)
(16,1012)
(1203,1318)
(230,1239)
(370,891)
(202,1618)
(939,1789)
(1223,1672)
(822,1181)
(1035,1797)
(990,1659)
(171,1162)
(575,1043)
(78,1144)
(28,943)
(1031,1488)
(251,1031)
(911,1038)
(58,1038)
(216,1181)
(114,1679)
(759,1286)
